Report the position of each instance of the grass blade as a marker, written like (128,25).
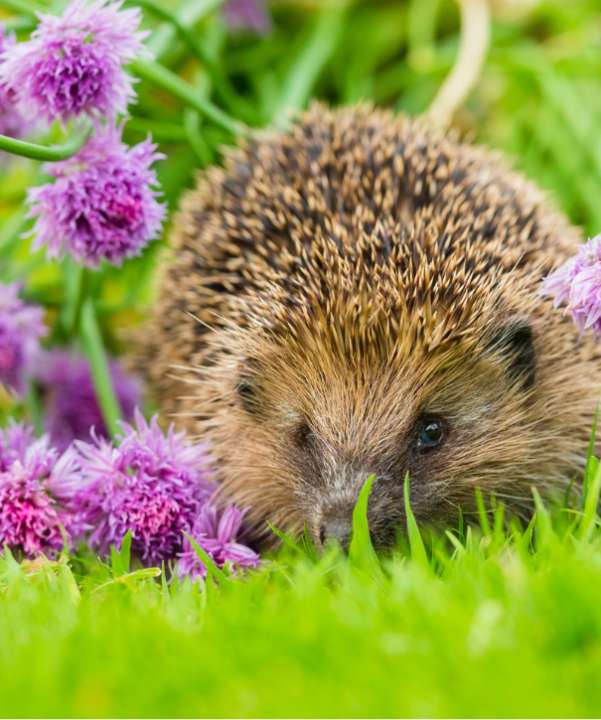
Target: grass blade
(482,513)
(121,559)
(212,569)
(416,544)
(361,551)
(591,503)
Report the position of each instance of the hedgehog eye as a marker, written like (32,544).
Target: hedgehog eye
(430,433)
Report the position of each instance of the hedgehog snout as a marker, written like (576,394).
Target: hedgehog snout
(333,513)
(337,527)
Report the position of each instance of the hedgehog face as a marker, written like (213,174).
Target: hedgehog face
(311,426)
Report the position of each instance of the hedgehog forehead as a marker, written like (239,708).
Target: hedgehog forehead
(387,289)
(366,335)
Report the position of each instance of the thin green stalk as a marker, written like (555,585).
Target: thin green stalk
(94,347)
(53,153)
(73,278)
(161,76)
(305,70)
(34,408)
(160,130)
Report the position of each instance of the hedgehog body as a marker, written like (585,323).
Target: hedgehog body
(360,295)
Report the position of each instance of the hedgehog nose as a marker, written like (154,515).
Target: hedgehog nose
(338,529)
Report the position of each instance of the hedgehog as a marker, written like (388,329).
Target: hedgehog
(359,295)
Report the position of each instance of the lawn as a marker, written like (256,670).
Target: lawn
(496,619)
(491,623)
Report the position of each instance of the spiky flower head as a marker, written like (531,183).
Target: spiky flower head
(21,327)
(152,483)
(12,122)
(247,15)
(70,403)
(577,285)
(102,205)
(73,64)
(35,487)
(216,534)
(14,441)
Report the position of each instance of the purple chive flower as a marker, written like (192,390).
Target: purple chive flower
(73,64)
(14,441)
(12,122)
(577,285)
(21,327)
(247,15)
(216,535)
(71,406)
(34,481)
(153,484)
(101,205)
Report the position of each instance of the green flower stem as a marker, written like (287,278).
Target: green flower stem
(94,347)
(305,70)
(33,406)
(43,152)
(159,129)
(161,76)
(73,274)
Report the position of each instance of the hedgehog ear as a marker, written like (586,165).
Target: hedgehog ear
(515,340)
(246,387)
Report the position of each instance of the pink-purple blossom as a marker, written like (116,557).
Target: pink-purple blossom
(71,409)
(577,286)
(73,64)
(36,483)
(216,534)
(247,15)
(14,441)
(12,122)
(21,327)
(152,483)
(102,204)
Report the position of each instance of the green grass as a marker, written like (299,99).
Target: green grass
(501,622)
